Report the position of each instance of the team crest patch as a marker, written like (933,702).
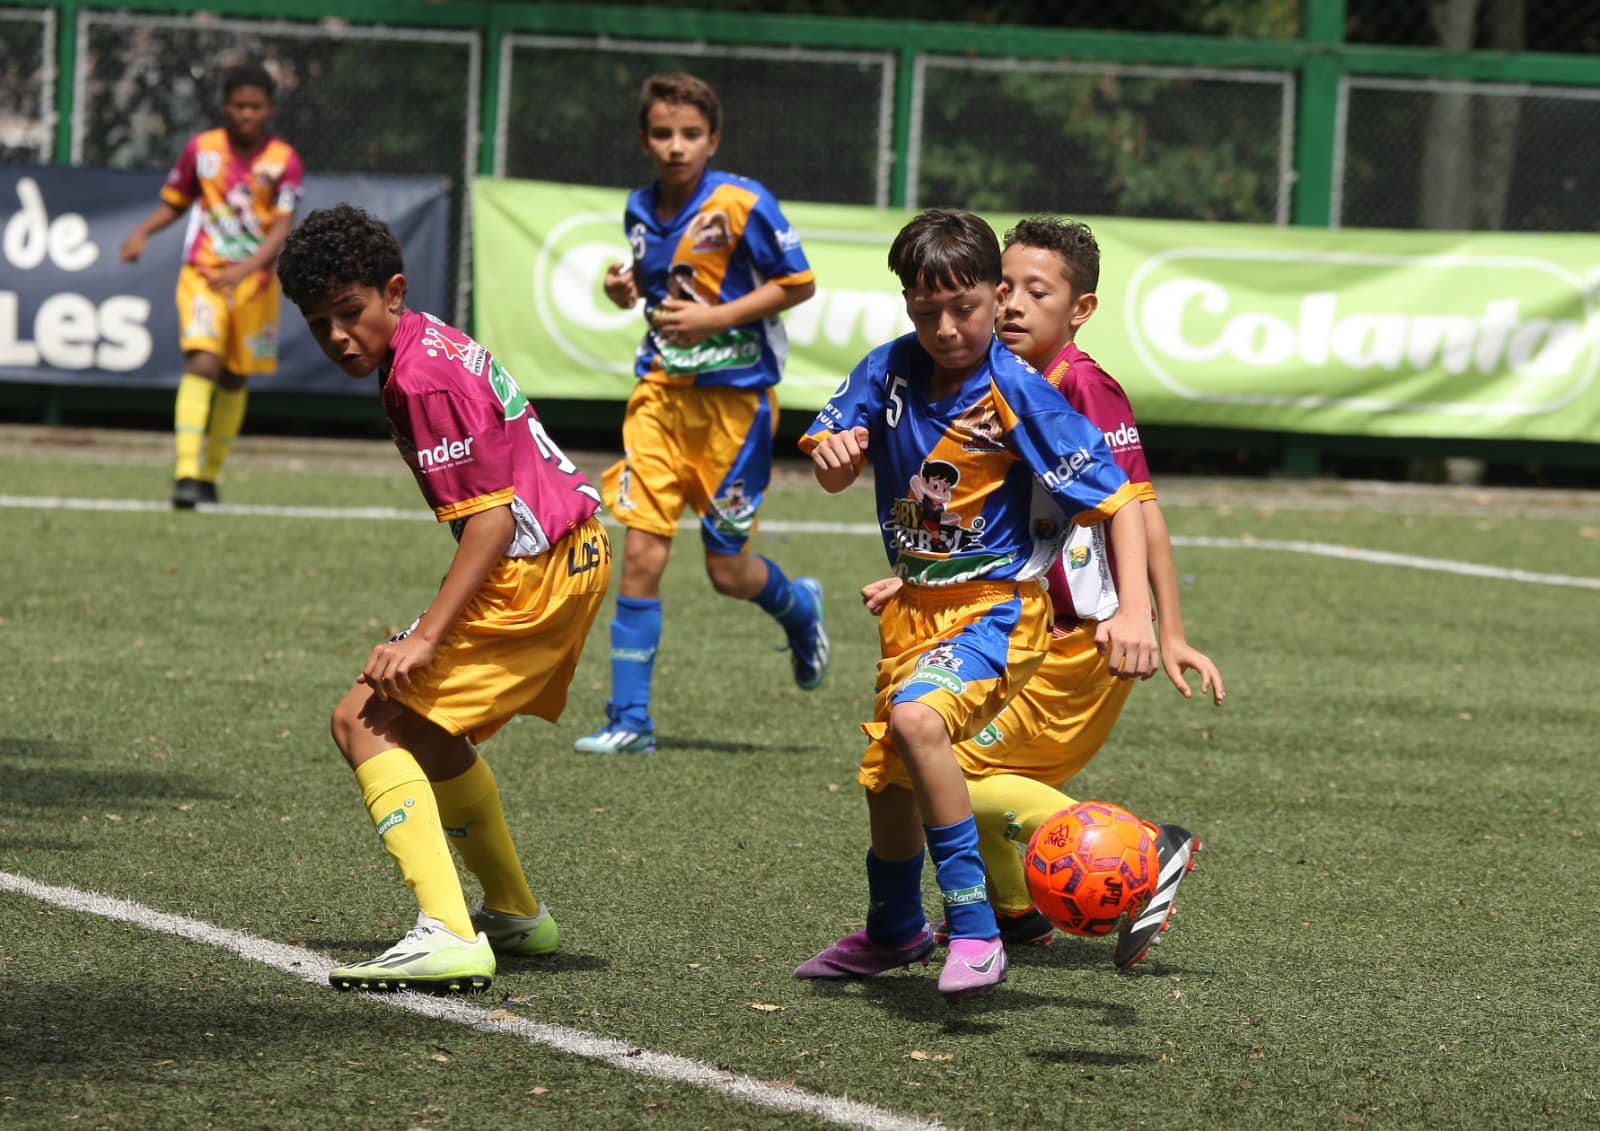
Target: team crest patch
(922,522)
(710,231)
(939,666)
(1077,557)
(988,736)
(735,511)
(979,429)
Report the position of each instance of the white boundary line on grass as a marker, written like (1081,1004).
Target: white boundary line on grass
(1318,549)
(314,968)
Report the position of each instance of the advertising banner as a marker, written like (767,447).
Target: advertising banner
(1425,334)
(72,313)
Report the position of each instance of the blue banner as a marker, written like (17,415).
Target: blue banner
(72,313)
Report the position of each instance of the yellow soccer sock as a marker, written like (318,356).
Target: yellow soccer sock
(227,417)
(1008,808)
(398,796)
(469,806)
(189,416)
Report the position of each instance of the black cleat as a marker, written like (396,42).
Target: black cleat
(1030,928)
(1175,851)
(186,493)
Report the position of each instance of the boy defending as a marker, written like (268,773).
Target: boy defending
(501,637)
(246,182)
(716,262)
(961,435)
(1059,721)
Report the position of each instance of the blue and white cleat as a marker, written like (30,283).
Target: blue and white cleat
(617,737)
(808,649)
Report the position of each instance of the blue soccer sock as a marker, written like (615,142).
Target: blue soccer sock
(954,849)
(790,605)
(635,634)
(895,887)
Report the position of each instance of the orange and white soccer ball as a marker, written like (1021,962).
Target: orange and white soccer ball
(1089,865)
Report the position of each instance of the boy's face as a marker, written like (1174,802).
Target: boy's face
(954,326)
(678,138)
(246,110)
(353,323)
(1039,310)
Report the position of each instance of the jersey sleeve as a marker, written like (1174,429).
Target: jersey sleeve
(852,405)
(773,246)
(1103,401)
(183,182)
(1067,454)
(464,460)
(291,186)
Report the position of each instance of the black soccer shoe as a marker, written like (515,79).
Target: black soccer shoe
(1030,928)
(185,494)
(1175,852)
(208,491)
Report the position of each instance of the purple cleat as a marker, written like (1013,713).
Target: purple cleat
(973,968)
(857,956)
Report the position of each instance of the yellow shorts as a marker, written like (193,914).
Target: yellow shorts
(517,644)
(964,650)
(1057,722)
(706,446)
(241,328)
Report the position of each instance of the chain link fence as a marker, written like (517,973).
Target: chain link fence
(350,99)
(1166,143)
(1554,26)
(810,125)
(1467,156)
(27,85)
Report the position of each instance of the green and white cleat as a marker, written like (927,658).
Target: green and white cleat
(517,934)
(431,957)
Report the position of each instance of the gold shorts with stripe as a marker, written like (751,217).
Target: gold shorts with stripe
(964,650)
(240,327)
(516,646)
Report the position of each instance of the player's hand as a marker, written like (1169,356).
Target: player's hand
(225,278)
(620,286)
(839,450)
(876,594)
(685,323)
(1129,645)
(1178,658)
(132,247)
(390,665)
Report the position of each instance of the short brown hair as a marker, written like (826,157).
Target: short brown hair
(1070,239)
(947,249)
(680,89)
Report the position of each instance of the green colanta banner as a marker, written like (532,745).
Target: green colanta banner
(1426,334)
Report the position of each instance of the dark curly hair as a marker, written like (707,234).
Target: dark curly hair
(1070,239)
(333,247)
(248,74)
(947,249)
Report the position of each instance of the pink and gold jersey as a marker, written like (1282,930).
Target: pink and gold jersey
(239,195)
(1094,393)
(474,442)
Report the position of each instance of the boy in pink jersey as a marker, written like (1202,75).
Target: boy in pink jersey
(244,183)
(502,636)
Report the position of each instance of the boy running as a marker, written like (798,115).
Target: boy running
(716,262)
(246,182)
(972,455)
(503,634)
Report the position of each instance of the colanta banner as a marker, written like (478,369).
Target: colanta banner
(1426,334)
(72,313)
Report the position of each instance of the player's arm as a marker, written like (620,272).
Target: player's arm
(1127,639)
(160,217)
(262,259)
(686,323)
(620,285)
(484,538)
(1177,656)
(837,458)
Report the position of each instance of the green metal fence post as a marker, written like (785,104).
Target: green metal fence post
(66,77)
(904,76)
(489,96)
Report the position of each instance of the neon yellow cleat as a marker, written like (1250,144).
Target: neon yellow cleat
(430,957)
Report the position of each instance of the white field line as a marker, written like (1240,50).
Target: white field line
(859,529)
(617,1054)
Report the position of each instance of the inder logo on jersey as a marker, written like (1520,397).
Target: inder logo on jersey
(922,522)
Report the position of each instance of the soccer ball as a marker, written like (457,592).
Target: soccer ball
(1089,865)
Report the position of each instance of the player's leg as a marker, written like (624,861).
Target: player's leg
(644,493)
(227,418)
(734,467)
(1008,808)
(202,336)
(443,951)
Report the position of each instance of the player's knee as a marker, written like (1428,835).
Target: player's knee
(914,727)
(344,723)
(729,573)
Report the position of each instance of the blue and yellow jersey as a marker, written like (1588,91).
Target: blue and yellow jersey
(729,239)
(982,483)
